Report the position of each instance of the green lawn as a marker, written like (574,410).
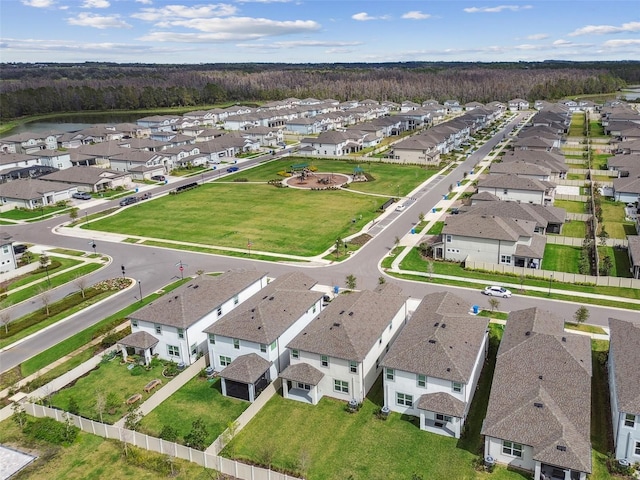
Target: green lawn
(436,228)
(574,228)
(576,176)
(326,442)
(571,206)
(561,258)
(281,220)
(613,220)
(601,430)
(108,377)
(198,398)
(620,258)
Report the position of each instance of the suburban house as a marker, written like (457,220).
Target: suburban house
(624,388)
(32,193)
(21,165)
(53,158)
(339,353)
(142,164)
(553,161)
(548,219)
(90,179)
(8,260)
(518,104)
(177,320)
(491,239)
(432,368)
(29,142)
(633,247)
(627,189)
(522,169)
(262,326)
(334,143)
(539,412)
(518,189)
(418,149)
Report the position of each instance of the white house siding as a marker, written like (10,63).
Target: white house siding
(626,197)
(7,258)
(624,437)
(493,447)
(276,353)
(418,157)
(478,249)
(514,195)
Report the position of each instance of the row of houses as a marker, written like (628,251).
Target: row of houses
(430,353)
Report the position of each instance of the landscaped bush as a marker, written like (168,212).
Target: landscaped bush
(52,431)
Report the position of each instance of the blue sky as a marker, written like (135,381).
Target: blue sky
(186,31)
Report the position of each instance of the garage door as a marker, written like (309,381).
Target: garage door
(237,390)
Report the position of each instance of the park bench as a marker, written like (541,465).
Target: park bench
(134,398)
(151,385)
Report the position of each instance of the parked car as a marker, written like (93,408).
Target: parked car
(82,196)
(496,291)
(233,169)
(128,201)
(18,249)
(158,178)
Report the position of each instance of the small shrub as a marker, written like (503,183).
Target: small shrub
(51,431)
(137,371)
(169,433)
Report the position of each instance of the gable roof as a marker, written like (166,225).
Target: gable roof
(84,175)
(625,352)
(303,373)
(246,368)
(270,312)
(512,181)
(350,326)
(189,303)
(542,215)
(440,340)
(441,402)
(31,188)
(540,395)
(488,226)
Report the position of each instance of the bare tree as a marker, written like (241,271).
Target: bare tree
(430,268)
(494,303)
(80,281)
(101,404)
(73,213)
(45,297)
(5,318)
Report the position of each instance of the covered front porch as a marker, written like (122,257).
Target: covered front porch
(138,343)
(441,413)
(544,471)
(301,383)
(245,377)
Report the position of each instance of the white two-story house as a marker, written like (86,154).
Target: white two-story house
(515,188)
(263,326)
(339,353)
(624,388)
(432,368)
(175,323)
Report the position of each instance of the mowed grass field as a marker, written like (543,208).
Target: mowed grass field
(279,220)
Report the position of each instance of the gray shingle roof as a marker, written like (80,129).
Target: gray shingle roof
(246,368)
(441,402)
(350,326)
(189,303)
(31,188)
(488,226)
(518,167)
(270,312)
(440,340)
(540,395)
(541,214)
(512,181)
(625,349)
(634,248)
(84,175)
(303,373)
(142,340)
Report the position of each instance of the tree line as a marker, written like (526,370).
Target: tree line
(29,89)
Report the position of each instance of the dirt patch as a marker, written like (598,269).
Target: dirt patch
(360,239)
(318,181)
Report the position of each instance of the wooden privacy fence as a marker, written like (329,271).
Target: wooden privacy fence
(163,447)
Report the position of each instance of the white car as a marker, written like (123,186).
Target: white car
(401,207)
(495,291)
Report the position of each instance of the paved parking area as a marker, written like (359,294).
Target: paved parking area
(12,461)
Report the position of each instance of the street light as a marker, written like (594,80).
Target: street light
(86,218)
(94,246)
(140,288)
(550,280)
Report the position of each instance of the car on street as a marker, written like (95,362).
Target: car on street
(128,201)
(401,207)
(158,178)
(496,291)
(82,196)
(233,169)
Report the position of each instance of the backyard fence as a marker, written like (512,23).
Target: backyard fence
(573,198)
(582,217)
(562,277)
(163,447)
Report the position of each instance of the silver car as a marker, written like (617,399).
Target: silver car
(496,291)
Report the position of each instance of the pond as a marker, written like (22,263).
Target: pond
(74,123)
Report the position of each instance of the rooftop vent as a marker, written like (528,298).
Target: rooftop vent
(538,405)
(443,325)
(431,340)
(176,297)
(539,377)
(336,324)
(527,333)
(195,286)
(265,297)
(448,369)
(253,310)
(436,324)
(341,312)
(562,448)
(564,339)
(351,314)
(271,298)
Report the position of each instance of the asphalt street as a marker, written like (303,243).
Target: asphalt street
(155,267)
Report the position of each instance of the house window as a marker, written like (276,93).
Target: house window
(513,449)
(158,329)
(353,367)
(341,386)
(134,323)
(224,361)
(637,449)
(443,418)
(194,349)
(295,354)
(630,420)
(236,344)
(404,400)
(313,310)
(390,374)
(212,339)
(505,259)
(220,311)
(448,239)
(422,381)
(303,386)
(180,333)
(236,300)
(390,326)
(263,348)
(273,345)
(324,360)
(505,191)
(456,387)
(173,351)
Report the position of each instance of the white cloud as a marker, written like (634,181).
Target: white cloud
(416,15)
(264,1)
(38,3)
(630,42)
(606,29)
(297,44)
(182,11)
(145,2)
(497,8)
(537,36)
(36,45)
(96,4)
(242,28)
(98,21)
(365,17)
